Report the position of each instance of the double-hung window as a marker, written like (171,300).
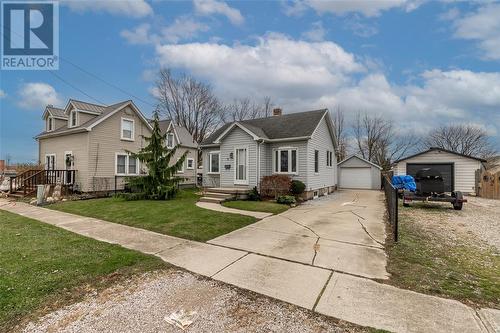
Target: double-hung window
(127,129)
(73,115)
(170,140)
(126,165)
(316,161)
(214,162)
(329,158)
(190,163)
(285,160)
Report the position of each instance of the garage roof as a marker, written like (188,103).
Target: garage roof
(440,149)
(360,158)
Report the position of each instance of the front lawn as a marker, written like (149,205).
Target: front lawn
(179,217)
(431,259)
(43,267)
(257,206)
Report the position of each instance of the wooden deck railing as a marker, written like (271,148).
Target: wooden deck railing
(28,180)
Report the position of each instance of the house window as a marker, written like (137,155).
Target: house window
(214,162)
(170,140)
(50,162)
(126,165)
(285,160)
(181,167)
(73,118)
(316,161)
(190,163)
(127,129)
(50,124)
(329,158)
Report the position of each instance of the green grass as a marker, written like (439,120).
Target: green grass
(43,267)
(257,206)
(430,263)
(179,217)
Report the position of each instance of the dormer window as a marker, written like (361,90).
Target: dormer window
(127,129)
(170,140)
(73,119)
(50,124)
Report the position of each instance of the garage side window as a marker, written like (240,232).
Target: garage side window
(285,160)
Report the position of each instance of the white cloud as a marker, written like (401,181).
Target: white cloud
(359,28)
(183,28)
(317,32)
(36,95)
(276,64)
(210,7)
(482,26)
(2,94)
(301,75)
(130,8)
(139,35)
(367,8)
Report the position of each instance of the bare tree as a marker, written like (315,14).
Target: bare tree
(379,142)
(244,108)
(340,134)
(188,102)
(464,139)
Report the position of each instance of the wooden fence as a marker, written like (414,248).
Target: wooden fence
(489,185)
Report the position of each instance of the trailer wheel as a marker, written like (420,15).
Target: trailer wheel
(458,204)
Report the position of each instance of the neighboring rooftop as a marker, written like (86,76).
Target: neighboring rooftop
(292,125)
(440,149)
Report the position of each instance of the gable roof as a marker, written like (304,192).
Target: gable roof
(288,126)
(85,106)
(183,136)
(54,112)
(360,158)
(107,111)
(439,149)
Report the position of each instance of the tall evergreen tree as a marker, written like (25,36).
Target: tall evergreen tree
(160,183)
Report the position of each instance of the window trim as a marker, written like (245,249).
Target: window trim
(316,163)
(181,170)
(127,173)
(73,114)
(247,166)
(329,159)
(133,129)
(173,140)
(210,172)
(55,161)
(50,124)
(187,163)
(278,162)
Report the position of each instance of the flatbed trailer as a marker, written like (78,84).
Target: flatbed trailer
(456,198)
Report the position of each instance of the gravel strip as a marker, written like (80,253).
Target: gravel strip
(140,305)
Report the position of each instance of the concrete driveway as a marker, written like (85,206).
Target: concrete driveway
(343,232)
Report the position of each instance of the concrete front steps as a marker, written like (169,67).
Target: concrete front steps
(220,194)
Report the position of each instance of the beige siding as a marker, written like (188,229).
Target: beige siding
(321,141)
(84,117)
(464,168)
(188,174)
(105,142)
(58,123)
(76,143)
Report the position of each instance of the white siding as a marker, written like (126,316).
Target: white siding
(322,141)
(209,180)
(301,147)
(464,168)
(237,138)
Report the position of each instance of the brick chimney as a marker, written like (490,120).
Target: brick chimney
(277,112)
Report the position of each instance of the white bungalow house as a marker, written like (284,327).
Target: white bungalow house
(302,145)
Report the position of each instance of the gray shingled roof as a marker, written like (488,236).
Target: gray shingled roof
(300,124)
(56,112)
(185,138)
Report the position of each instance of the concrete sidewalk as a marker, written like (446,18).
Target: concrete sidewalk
(219,208)
(347,297)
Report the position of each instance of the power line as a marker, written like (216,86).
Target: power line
(74,87)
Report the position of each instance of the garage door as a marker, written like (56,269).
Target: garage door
(446,170)
(356,178)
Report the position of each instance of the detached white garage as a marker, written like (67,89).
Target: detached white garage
(356,172)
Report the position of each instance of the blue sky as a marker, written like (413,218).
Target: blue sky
(419,63)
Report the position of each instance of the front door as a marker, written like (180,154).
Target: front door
(241,169)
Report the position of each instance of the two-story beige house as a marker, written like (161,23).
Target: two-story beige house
(95,140)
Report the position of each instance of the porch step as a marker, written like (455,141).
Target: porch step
(229,190)
(211,199)
(218,195)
